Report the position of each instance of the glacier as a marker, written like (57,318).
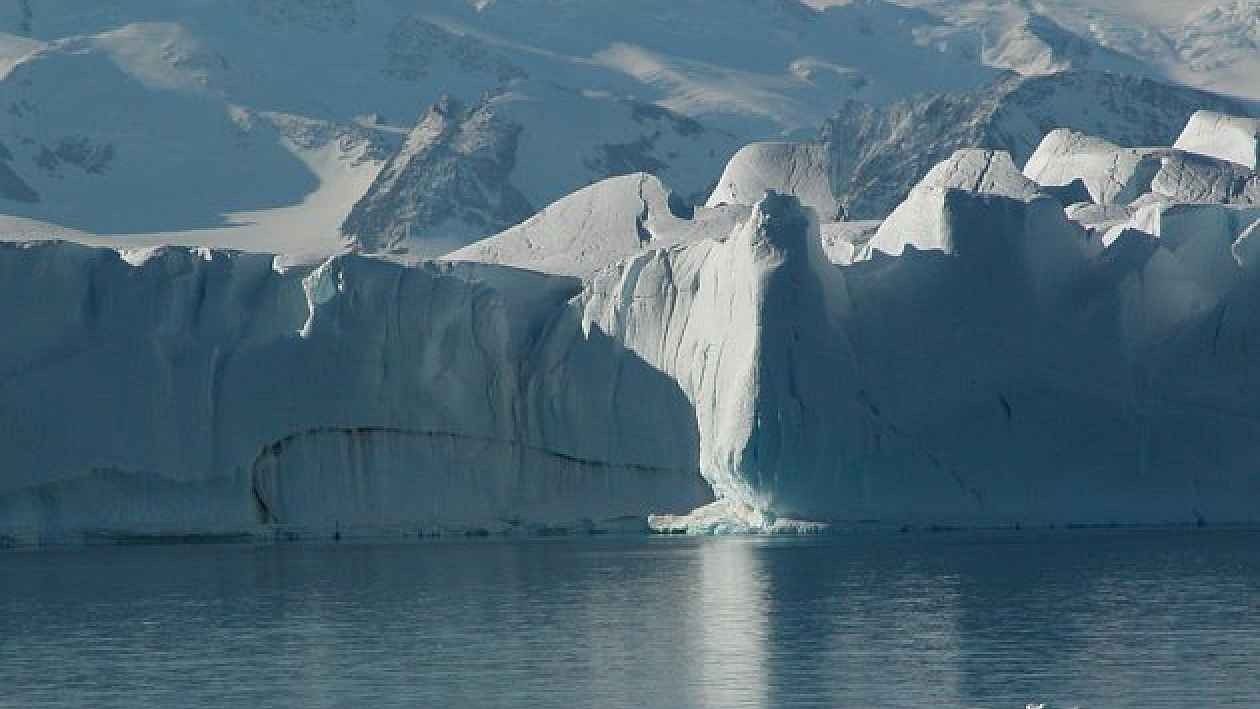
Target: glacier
(1000,350)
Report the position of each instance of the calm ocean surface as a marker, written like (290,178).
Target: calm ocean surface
(1097,618)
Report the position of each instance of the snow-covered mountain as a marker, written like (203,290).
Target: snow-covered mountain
(869,157)
(1209,44)
(263,124)
(260,124)
(877,153)
(468,172)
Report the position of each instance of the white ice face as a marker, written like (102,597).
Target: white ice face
(985,359)
(1044,329)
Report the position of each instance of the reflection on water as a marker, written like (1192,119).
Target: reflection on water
(730,642)
(1072,618)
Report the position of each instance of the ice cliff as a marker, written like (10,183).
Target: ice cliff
(179,392)
(984,356)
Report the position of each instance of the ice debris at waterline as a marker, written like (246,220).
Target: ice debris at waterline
(984,357)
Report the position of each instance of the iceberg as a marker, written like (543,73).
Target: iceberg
(982,357)
(212,393)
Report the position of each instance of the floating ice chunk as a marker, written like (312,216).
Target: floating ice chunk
(719,517)
(724,517)
(1178,225)
(1012,240)
(1102,217)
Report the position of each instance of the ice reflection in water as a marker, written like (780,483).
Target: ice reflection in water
(1092,618)
(729,613)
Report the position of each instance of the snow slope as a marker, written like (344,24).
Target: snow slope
(101,141)
(600,225)
(1209,44)
(469,172)
(259,124)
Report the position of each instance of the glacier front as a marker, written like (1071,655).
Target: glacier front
(180,391)
(982,357)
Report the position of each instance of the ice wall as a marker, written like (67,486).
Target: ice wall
(721,318)
(198,392)
(1002,370)
(981,357)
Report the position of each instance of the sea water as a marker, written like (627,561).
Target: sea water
(1089,618)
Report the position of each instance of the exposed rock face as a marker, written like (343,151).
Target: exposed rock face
(320,15)
(11,185)
(466,173)
(878,154)
(1187,177)
(450,177)
(413,45)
